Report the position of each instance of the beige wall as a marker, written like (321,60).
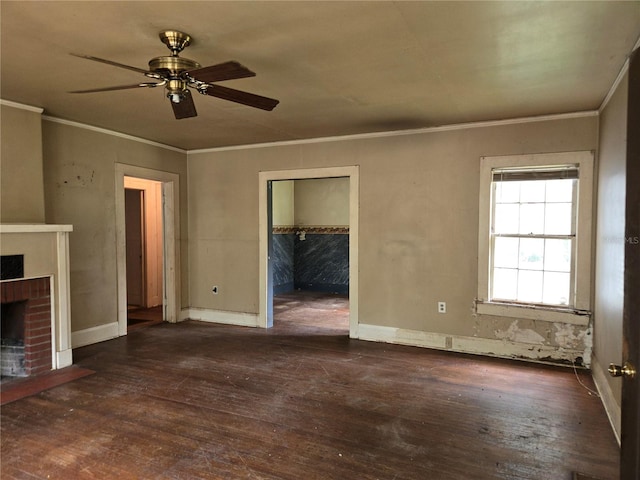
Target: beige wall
(322,202)
(283,203)
(21,178)
(418,224)
(79,173)
(610,236)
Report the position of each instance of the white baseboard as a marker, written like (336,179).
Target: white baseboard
(219,316)
(64,358)
(462,344)
(92,335)
(611,406)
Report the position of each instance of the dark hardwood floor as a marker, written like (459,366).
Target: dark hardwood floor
(303,401)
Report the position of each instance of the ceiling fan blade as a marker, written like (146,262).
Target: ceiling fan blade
(239,96)
(223,71)
(186,108)
(121,87)
(112,63)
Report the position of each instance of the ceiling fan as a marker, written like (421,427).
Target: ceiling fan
(178,74)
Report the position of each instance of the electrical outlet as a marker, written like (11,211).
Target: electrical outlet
(442,307)
(214,289)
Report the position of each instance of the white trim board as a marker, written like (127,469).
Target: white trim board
(171,240)
(353,173)
(339,138)
(461,344)
(112,133)
(220,316)
(396,133)
(623,70)
(93,335)
(21,106)
(611,406)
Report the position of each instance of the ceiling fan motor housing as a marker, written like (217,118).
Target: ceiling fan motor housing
(171,69)
(172,66)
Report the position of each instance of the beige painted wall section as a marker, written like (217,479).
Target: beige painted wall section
(610,235)
(282,206)
(418,219)
(79,173)
(322,202)
(21,177)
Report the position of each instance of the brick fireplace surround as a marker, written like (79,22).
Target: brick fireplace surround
(36,293)
(43,286)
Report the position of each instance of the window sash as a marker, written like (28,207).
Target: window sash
(523,174)
(572,286)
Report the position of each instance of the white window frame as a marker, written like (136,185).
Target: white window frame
(579,313)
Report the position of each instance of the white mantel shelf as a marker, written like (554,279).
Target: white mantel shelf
(33,228)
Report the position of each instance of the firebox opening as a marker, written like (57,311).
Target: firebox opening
(12,348)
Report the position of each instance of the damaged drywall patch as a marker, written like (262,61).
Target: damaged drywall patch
(520,335)
(569,336)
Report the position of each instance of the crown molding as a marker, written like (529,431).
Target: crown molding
(21,106)
(113,133)
(397,133)
(616,82)
(339,138)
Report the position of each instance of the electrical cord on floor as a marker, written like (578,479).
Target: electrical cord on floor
(591,392)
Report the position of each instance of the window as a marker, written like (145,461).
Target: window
(535,230)
(533,235)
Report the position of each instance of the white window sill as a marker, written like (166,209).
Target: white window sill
(534,312)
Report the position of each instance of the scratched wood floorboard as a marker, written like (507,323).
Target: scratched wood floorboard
(303,401)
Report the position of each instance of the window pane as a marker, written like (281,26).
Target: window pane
(557,219)
(556,288)
(557,255)
(507,192)
(531,253)
(532,191)
(506,218)
(529,286)
(505,253)
(559,190)
(505,281)
(531,218)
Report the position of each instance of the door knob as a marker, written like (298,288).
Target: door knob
(626,370)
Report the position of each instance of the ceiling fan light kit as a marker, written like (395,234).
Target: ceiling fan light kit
(178,74)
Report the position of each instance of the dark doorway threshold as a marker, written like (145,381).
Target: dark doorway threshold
(140,317)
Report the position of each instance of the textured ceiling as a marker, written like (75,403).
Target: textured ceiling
(338,68)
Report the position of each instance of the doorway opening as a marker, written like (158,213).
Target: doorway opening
(144,251)
(310,254)
(324,239)
(161,265)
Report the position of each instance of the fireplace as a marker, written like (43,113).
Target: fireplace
(26,327)
(35,297)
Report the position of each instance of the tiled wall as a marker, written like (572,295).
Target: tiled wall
(320,262)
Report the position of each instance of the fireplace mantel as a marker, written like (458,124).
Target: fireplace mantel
(33,228)
(46,254)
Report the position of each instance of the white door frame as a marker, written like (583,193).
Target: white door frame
(171,241)
(353,173)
